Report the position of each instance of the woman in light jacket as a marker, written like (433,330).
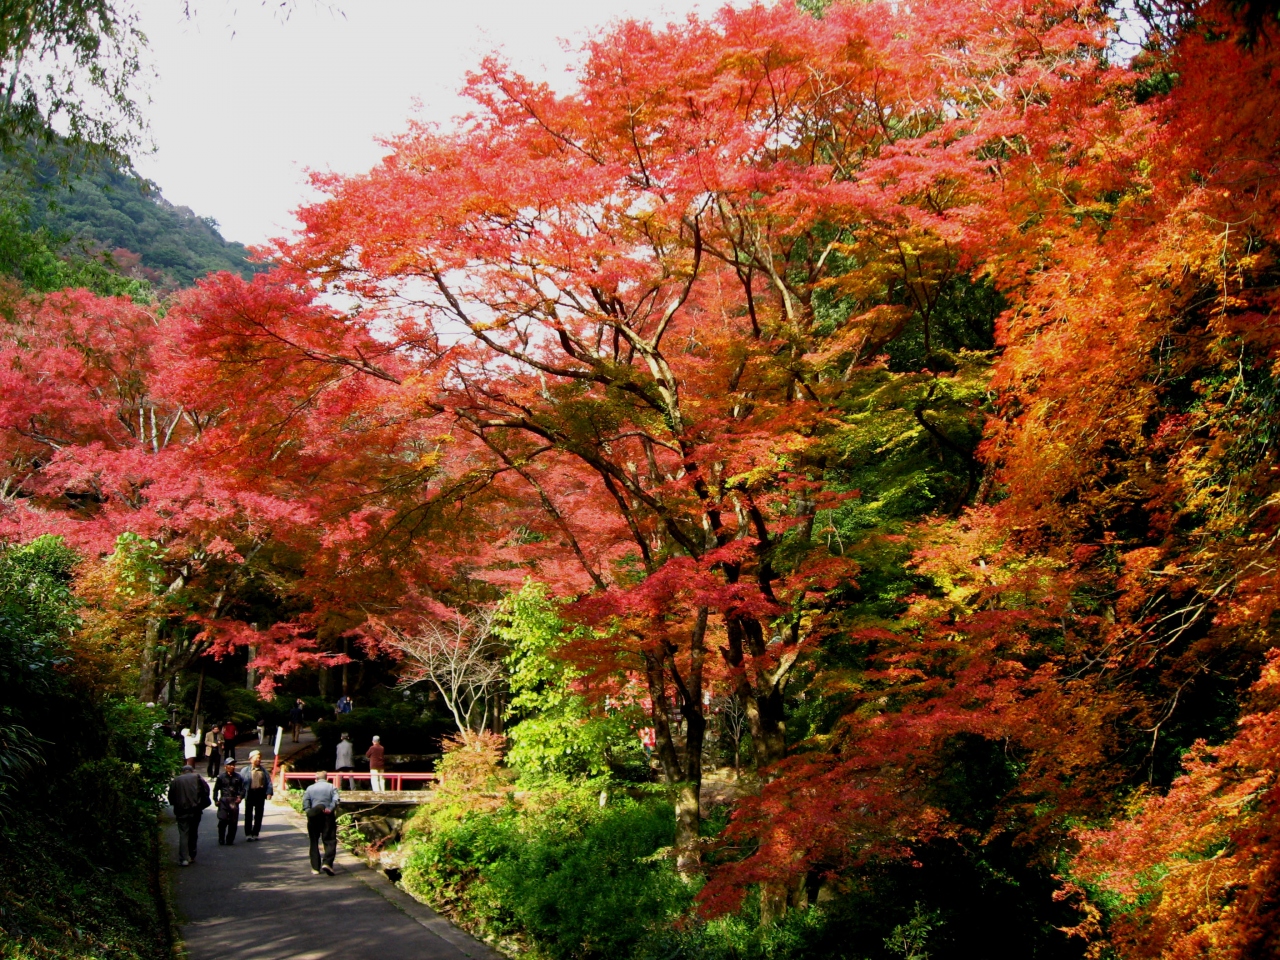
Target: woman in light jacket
(190,745)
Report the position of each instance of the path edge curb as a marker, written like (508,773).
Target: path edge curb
(415,909)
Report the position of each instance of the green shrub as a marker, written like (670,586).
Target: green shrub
(447,863)
(575,880)
(584,885)
(559,732)
(57,902)
(78,835)
(797,937)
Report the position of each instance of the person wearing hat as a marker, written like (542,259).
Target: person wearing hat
(188,795)
(228,791)
(376,755)
(257,788)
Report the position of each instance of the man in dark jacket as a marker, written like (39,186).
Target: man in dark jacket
(188,795)
(296,719)
(228,791)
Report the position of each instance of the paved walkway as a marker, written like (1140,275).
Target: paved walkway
(260,901)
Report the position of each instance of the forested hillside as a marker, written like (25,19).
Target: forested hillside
(93,211)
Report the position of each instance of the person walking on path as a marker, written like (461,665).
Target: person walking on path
(376,757)
(295,720)
(190,745)
(344,758)
(229,734)
(262,730)
(257,787)
(188,795)
(228,791)
(211,750)
(320,805)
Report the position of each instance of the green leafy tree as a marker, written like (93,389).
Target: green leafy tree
(37,610)
(558,732)
(72,66)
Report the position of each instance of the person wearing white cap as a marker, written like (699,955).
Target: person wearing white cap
(377,764)
(257,788)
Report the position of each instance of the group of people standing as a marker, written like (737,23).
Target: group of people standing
(219,744)
(344,761)
(189,795)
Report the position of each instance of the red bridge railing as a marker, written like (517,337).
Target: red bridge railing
(393,781)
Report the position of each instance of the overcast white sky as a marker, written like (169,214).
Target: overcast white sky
(244,103)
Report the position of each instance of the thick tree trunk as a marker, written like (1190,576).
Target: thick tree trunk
(689,797)
(683,772)
(688,823)
(761,691)
(773,902)
(768,724)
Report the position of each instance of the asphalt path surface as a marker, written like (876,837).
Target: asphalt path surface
(260,901)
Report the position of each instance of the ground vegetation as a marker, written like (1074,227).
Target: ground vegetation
(72,885)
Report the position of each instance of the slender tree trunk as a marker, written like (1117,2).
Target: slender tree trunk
(147,679)
(346,674)
(195,711)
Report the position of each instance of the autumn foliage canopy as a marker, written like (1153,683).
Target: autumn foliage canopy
(630,341)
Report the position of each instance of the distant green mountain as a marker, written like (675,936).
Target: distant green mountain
(107,216)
